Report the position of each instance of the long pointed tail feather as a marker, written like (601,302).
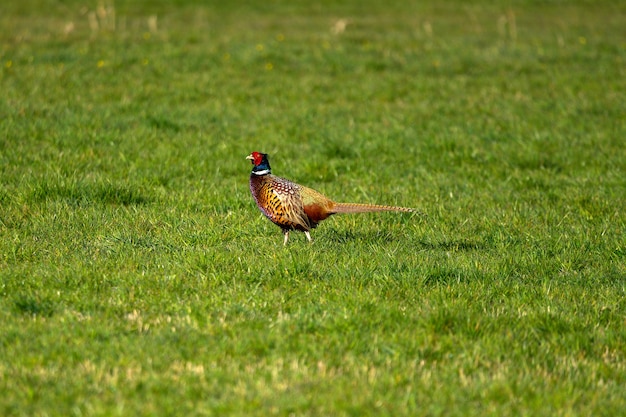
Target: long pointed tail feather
(345,208)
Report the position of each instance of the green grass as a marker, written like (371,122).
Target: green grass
(137,277)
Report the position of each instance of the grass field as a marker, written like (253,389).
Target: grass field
(138,278)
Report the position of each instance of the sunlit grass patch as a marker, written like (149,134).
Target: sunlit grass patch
(137,276)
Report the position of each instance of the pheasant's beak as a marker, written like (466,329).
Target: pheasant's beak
(250,157)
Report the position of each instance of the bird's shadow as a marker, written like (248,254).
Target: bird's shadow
(347,236)
(455,245)
(384,236)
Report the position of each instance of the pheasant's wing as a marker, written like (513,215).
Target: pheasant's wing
(285,204)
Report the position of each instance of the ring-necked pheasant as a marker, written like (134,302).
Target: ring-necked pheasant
(295,207)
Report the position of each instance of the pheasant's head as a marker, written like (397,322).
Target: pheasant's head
(261,165)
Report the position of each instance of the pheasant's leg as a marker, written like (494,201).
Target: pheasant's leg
(308,235)
(286,233)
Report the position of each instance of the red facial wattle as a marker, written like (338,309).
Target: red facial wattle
(257,158)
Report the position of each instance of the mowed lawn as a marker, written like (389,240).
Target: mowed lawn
(138,278)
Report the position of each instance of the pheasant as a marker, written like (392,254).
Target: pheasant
(294,207)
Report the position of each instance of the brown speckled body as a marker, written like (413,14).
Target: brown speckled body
(289,205)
